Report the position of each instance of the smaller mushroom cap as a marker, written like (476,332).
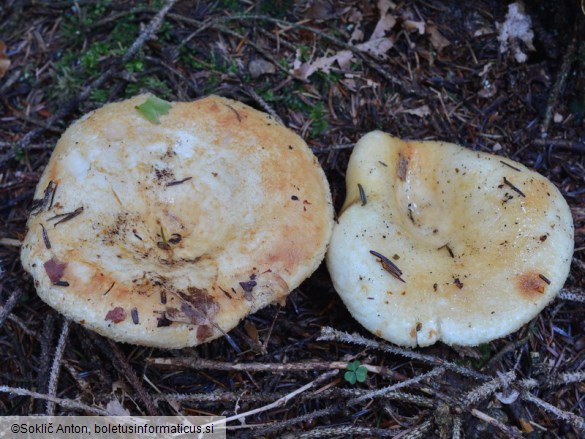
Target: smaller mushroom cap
(438,242)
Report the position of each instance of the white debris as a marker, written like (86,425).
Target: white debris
(259,67)
(517,28)
(422,111)
(114,408)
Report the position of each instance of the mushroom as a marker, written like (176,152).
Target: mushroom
(164,224)
(438,242)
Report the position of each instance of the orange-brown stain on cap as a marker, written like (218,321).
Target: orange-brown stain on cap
(413,332)
(404,158)
(530,285)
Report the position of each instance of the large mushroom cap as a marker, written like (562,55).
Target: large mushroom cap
(168,234)
(445,243)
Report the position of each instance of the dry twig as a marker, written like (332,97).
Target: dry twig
(512,432)
(559,83)
(54,377)
(335,335)
(202,363)
(341,431)
(112,351)
(9,305)
(282,401)
(65,403)
(336,408)
(487,389)
(573,295)
(576,421)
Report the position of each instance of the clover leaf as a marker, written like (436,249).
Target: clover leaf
(355,372)
(153,108)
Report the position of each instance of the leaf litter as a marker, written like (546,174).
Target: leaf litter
(410,83)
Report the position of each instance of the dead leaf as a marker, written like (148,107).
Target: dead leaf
(320,10)
(414,26)
(255,342)
(525,425)
(377,47)
(356,35)
(114,408)
(421,111)
(386,21)
(438,41)
(355,16)
(252,331)
(4,61)
(323,64)
(384,24)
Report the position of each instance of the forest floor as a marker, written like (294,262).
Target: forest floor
(331,71)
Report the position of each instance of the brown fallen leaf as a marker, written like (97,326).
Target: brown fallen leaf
(421,111)
(414,26)
(377,47)
(323,64)
(4,61)
(386,21)
(438,41)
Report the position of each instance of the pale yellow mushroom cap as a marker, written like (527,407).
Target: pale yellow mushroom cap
(168,234)
(480,243)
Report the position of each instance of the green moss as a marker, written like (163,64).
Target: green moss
(92,56)
(150,84)
(304,53)
(231,5)
(99,95)
(135,66)
(19,153)
(319,123)
(211,84)
(276,8)
(125,31)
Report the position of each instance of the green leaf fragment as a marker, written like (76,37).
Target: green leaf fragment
(350,377)
(354,365)
(153,108)
(355,372)
(361,373)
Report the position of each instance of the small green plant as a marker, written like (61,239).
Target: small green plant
(478,361)
(230,5)
(319,124)
(135,66)
(304,53)
(165,33)
(19,153)
(212,83)
(99,95)
(151,84)
(355,372)
(93,55)
(125,31)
